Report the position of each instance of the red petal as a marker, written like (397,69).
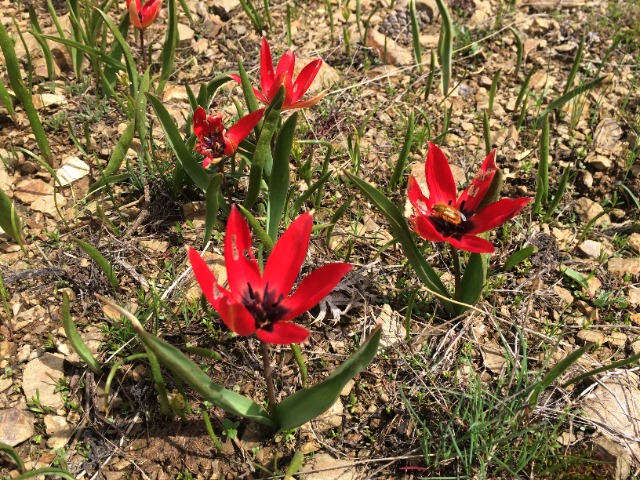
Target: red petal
(286,64)
(426,229)
(472,244)
(421,203)
(235,77)
(150,12)
(266,67)
(240,130)
(314,288)
(133,14)
(305,79)
(287,256)
(442,186)
(242,268)
(236,317)
(497,213)
(205,277)
(284,333)
(475,192)
(200,125)
(306,103)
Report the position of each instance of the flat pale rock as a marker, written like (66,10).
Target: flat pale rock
(16,426)
(185,34)
(633,242)
(42,100)
(608,134)
(58,429)
(634,295)
(624,266)
(40,378)
(590,248)
(587,210)
(388,49)
(590,337)
(31,189)
(72,169)
(325,467)
(392,323)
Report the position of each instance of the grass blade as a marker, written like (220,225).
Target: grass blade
(75,339)
(445,45)
(404,153)
(9,220)
(102,262)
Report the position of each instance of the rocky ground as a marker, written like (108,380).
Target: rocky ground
(581,286)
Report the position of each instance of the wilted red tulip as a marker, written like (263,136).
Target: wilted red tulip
(143,16)
(271,81)
(445,217)
(260,303)
(214,142)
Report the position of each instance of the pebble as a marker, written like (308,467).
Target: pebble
(624,266)
(590,248)
(590,336)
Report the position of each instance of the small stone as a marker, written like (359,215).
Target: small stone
(40,379)
(617,339)
(72,169)
(587,210)
(635,347)
(346,390)
(388,49)
(325,467)
(564,294)
(30,190)
(607,134)
(624,266)
(599,162)
(185,34)
(8,349)
(42,100)
(590,248)
(633,242)
(634,295)
(58,430)
(590,336)
(16,426)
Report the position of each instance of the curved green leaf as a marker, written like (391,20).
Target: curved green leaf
(401,230)
(9,220)
(473,280)
(520,256)
(102,262)
(568,96)
(174,140)
(212,205)
(308,403)
(169,46)
(13,455)
(75,339)
(117,156)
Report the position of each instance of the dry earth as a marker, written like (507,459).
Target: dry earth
(52,408)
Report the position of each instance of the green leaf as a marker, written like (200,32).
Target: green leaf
(406,147)
(566,97)
(9,220)
(269,125)
(279,181)
(174,140)
(473,280)
(94,52)
(189,372)
(260,232)
(117,156)
(5,99)
(75,339)
(169,46)
(575,276)
(214,85)
(110,72)
(46,471)
(445,45)
(605,368)
(212,205)
(308,403)
(518,257)
(247,89)
(401,230)
(102,262)
(13,455)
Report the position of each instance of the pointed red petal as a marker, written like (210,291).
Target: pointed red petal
(283,333)
(242,268)
(260,96)
(266,67)
(473,244)
(287,256)
(475,192)
(497,213)
(236,317)
(286,64)
(133,14)
(421,203)
(200,124)
(305,79)
(235,77)
(442,186)
(314,288)
(150,12)
(205,277)
(240,130)
(426,229)
(306,103)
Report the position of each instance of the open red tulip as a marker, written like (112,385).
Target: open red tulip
(214,142)
(143,16)
(271,81)
(261,303)
(445,217)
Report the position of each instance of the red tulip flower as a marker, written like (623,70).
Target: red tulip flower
(143,16)
(271,81)
(214,142)
(445,217)
(258,302)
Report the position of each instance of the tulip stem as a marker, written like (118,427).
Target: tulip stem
(144,57)
(456,271)
(268,375)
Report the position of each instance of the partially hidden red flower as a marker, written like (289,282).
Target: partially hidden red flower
(445,217)
(143,16)
(214,141)
(261,303)
(271,81)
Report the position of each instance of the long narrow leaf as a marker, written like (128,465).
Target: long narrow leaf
(169,47)
(473,280)
(76,340)
(308,403)
(117,156)
(585,87)
(401,231)
(175,141)
(404,153)
(279,182)
(9,220)
(102,262)
(446,45)
(5,99)
(212,205)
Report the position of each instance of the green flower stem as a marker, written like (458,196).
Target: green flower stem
(297,354)
(456,272)
(144,57)
(268,375)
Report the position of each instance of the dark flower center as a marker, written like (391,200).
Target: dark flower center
(265,307)
(450,221)
(214,143)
